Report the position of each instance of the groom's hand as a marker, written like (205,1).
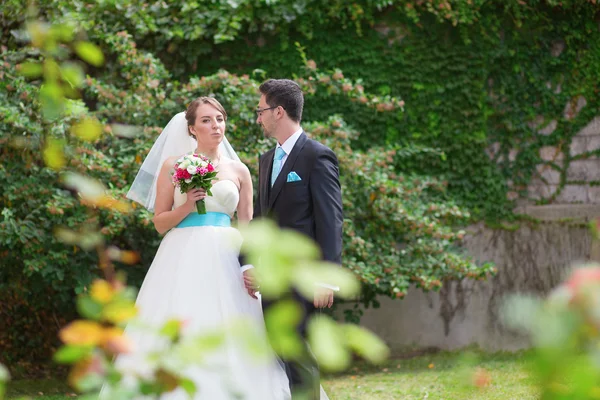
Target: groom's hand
(323,298)
(250,283)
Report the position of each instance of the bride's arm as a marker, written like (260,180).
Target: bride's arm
(164,217)
(244,209)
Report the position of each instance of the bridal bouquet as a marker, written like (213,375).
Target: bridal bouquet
(194,171)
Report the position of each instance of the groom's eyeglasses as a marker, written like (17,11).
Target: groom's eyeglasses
(259,111)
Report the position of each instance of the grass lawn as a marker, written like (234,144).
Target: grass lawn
(437,376)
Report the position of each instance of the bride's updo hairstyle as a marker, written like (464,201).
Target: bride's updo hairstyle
(190,114)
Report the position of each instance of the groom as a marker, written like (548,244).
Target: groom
(299,187)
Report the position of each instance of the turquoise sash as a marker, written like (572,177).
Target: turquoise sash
(208,219)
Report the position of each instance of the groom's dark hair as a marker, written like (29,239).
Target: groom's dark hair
(285,93)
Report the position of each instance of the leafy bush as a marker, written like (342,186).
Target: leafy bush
(398,225)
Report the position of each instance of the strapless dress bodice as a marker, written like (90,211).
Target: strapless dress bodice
(224,199)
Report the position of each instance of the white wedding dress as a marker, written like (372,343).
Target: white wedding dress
(196,277)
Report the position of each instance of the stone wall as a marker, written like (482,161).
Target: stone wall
(531,259)
(580,173)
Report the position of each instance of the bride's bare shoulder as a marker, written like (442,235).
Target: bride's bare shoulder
(169,163)
(237,166)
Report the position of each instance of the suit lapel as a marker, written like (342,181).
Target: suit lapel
(264,177)
(287,168)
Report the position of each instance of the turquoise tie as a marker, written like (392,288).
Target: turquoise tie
(277,164)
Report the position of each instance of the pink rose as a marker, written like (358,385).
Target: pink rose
(210,168)
(183,174)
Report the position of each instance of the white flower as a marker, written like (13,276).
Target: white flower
(188,181)
(184,164)
(191,169)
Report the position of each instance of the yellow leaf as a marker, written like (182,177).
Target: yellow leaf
(53,154)
(85,333)
(108,203)
(87,129)
(119,312)
(129,257)
(102,291)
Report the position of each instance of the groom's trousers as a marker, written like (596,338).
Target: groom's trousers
(304,376)
(303,373)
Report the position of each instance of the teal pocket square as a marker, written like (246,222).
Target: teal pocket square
(293,177)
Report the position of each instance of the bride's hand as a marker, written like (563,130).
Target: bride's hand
(193,196)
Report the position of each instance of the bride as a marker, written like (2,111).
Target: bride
(195,275)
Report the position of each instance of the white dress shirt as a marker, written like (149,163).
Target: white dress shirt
(287,147)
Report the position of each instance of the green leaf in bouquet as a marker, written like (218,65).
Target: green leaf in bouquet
(88,308)
(281,320)
(365,343)
(70,354)
(90,53)
(326,342)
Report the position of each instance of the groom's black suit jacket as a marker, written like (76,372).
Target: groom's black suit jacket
(311,206)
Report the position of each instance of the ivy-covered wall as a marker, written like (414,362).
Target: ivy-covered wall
(496,95)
